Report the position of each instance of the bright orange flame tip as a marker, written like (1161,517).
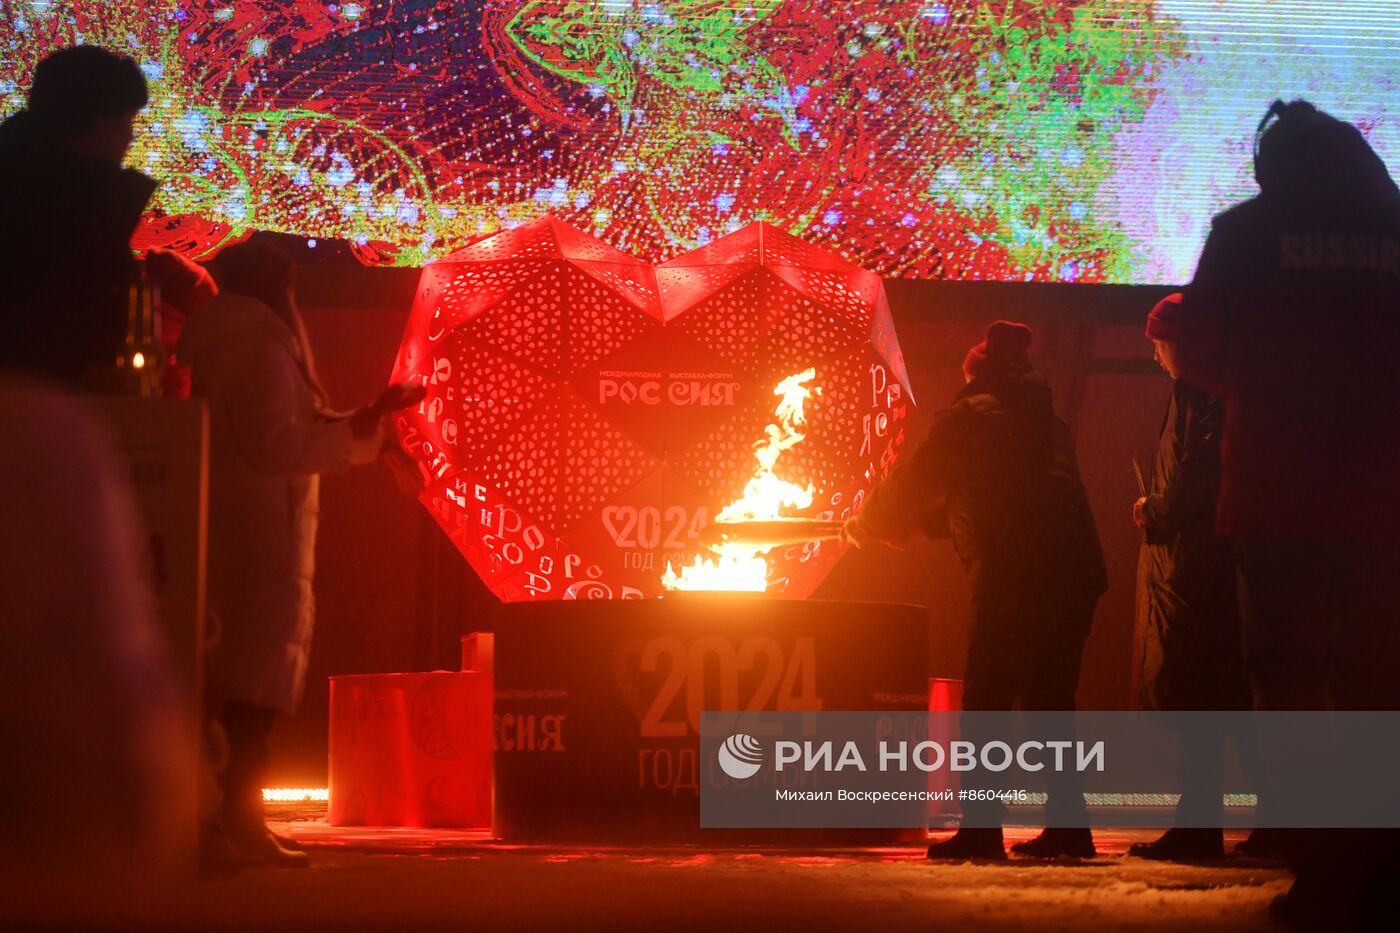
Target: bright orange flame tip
(738,567)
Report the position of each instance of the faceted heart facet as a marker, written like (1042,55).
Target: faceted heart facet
(588,414)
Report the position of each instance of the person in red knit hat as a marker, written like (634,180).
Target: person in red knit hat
(998,474)
(1189,654)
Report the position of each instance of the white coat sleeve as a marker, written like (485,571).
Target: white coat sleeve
(264,397)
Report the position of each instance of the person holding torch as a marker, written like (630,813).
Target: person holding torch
(998,474)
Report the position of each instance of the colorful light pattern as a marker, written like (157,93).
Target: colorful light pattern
(1084,140)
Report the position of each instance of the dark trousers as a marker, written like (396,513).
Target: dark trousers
(1204,742)
(248,729)
(1026,648)
(1322,631)
(1201,770)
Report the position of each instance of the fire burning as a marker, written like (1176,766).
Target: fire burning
(738,566)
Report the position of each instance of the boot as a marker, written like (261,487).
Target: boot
(1263,843)
(970,843)
(1057,842)
(1183,845)
(1313,907)
(288,842)
(254,838)
(219,857)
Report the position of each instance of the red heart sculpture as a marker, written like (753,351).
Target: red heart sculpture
(588,414)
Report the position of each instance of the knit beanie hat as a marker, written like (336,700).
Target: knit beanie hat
(1161,323)
(1006,347)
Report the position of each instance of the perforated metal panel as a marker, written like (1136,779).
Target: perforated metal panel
(588,414)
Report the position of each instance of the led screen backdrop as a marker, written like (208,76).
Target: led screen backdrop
(1087,140)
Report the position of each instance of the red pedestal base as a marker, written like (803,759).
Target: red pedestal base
(598,704)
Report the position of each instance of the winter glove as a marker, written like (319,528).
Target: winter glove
(854,534)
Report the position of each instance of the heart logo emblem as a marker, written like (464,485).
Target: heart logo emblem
(588,414)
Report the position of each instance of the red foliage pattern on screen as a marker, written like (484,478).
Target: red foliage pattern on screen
(963,139)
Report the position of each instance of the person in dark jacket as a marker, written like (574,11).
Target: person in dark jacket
(1191,656)
(998,472)
(1293,320)
(69,210)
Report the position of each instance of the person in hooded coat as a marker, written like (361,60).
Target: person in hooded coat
(1191,657)
(69,209)
(271,435)
(1293,321)
(998,472)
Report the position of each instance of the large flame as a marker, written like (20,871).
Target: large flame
(737,567)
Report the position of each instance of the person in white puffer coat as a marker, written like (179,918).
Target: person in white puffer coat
(271,435)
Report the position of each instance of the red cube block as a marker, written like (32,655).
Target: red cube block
(411,750)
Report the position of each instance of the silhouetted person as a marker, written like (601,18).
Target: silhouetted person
(69,209)
(998,472)
(1192,658)
(93,782)
(271,435)
(1293,319)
